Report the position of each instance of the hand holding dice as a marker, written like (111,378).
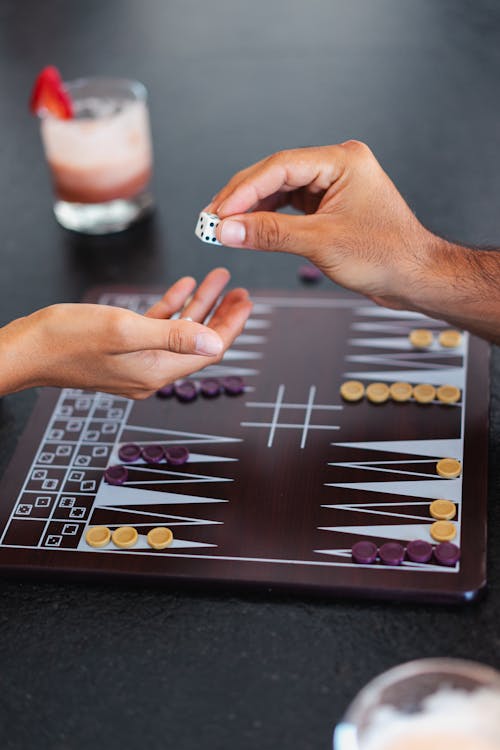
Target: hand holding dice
(357,228)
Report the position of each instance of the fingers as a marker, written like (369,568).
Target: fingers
(230,317)
(207,295)
(173,299)
(283,172)
(235,180)
(227,323)
(301,235)
(139,333)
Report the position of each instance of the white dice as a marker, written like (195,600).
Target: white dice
(206,226)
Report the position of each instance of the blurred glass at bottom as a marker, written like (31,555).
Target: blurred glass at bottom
(101,159)
(429,704)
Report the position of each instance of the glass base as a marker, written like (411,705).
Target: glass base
(103,218)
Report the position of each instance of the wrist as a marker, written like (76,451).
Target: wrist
(427,286)
(19,361)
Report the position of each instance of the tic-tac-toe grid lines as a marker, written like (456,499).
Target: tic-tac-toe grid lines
(57,495)
(306,409)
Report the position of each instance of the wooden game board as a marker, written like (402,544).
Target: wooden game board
(283,479)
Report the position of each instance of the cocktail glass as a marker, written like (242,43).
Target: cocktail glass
(101,159)
(436,704)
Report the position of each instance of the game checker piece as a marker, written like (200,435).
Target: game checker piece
(160,537)
(176,455)
(450,339)
(442,510)
(185,391)
(206,226)
(98,536)
(391,553)
(448,394)
(377,393)
(116,475)
(153,454)
(125,537)
(443,531)
(400,391)
(447,553)
(233,385)
(129,453)
(364,552)
(449,468)
(421,338)
(352,390)
(166,392)
(210,387)
(424,393)
(419,551)
(310,274)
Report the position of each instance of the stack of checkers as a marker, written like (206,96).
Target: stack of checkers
(378,393)
(188,390)
(422,338)
(394,553)
(173,455)
(126,537)
(443,530)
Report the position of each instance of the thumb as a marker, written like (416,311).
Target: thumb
(266,230)
(177,336)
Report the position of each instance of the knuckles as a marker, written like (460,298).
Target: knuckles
(358,149)
(269,235)
(176,340)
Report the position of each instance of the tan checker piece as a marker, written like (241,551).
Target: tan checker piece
(421,338)
(377,393)
(98,536)
(443,531)
(125,537)
(443,510)
(448,394)
(400,391)
(160,537)
(424,393)
(450,338)
(449,468)
(352,390)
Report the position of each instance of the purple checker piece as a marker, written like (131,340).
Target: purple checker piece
(176,454)
(166,391)
(233,385)
(210,387)
(364,553)
(310,274)
(185,391)
(152,454)
(392,553)
(419,551)
(116,474)
(447,553)
(129,453)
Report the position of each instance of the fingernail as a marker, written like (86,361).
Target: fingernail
(207,344)
(233,233)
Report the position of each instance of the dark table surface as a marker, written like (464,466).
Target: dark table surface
(91,666)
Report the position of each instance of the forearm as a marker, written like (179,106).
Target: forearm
(459,285)
(18,357)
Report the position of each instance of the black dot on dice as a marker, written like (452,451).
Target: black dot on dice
(211,223)
(214,239)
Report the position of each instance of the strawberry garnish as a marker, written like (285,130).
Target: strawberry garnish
(49,95)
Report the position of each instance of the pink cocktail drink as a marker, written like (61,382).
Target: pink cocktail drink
(101,158)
